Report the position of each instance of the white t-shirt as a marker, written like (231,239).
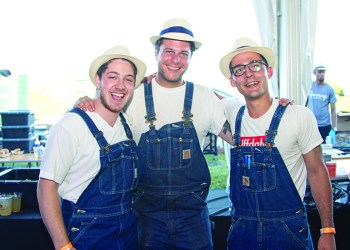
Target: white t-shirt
(72,157)
(297,135)
(207,110)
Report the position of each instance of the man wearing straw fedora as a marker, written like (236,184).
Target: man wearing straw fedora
(275,150)
(172,193)
(90,166)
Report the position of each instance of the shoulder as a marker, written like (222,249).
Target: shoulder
(204,95)
(202,89)
(328,85)
(68,119)
(69,122)
(300,121)
(329,90)
(298,114)
(232,103)
(299,110)
(231,107)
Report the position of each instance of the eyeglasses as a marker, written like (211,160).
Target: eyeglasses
(254,66)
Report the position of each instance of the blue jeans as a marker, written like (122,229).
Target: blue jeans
(324,131)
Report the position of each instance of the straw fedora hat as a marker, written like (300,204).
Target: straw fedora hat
(245,45)
(114,53)
(177,29)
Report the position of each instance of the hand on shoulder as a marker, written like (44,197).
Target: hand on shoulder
(85,103)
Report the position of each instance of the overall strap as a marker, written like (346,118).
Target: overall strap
(92,127)
(275,122)
(270,133)
(187,115)
(237,134)
(151,115)
(126,126)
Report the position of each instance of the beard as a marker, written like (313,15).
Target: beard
(171,80)
(107,106)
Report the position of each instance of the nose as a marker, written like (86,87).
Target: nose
(175,58)
(119,84)
(247,71)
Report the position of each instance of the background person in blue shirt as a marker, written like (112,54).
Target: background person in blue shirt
(320,97)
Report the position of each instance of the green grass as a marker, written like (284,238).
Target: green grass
(218,170)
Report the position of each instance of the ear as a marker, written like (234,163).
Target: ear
(97,82)
(232,82)
(269,72)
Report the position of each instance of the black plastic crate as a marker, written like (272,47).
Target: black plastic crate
(25,144)
(20,174)
(24,181)
(17,118)
(9,132)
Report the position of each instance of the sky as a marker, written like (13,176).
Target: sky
(52,41)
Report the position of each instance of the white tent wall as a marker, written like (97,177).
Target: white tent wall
(289,28)
(266,16)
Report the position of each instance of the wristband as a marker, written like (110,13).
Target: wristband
(327,230)
(67,247)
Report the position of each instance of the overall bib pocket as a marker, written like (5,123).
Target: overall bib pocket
(258,177)
(121,178)
(169,153)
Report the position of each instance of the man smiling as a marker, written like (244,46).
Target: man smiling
(275,150)
(91,163)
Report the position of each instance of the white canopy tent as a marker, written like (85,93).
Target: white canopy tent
(289,27)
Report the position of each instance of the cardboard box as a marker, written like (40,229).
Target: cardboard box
(343,121)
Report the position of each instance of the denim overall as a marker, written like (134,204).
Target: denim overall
(268,212)
(173,189)
(102,218)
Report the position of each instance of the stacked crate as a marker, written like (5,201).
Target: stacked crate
(18,130)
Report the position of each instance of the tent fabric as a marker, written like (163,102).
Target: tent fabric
(289,28)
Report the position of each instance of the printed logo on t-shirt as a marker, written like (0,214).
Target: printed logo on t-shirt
(317,96)
(253,141)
